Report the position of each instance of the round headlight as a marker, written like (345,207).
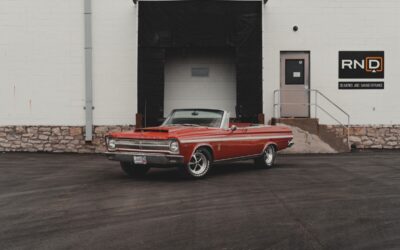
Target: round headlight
(174,146)
(111,144)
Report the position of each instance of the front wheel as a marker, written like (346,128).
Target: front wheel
(199,164)
(133,170)
(267,160)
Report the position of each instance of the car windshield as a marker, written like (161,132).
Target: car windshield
(207,118)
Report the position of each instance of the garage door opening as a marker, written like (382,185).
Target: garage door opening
(199,54)
(197,78)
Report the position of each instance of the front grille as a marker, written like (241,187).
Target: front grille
(142,145)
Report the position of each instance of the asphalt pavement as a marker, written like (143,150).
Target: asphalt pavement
(66,201)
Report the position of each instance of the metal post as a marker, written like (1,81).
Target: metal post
(316,104)
(274,106)
(348,132)
(88,72)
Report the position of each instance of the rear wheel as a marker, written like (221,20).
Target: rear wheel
(267,160)
(133,170)
(199,164)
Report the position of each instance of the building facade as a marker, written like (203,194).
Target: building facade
(334,61)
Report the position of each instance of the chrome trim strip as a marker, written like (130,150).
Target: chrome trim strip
(147,154)
(143,142)
(247,138)
(247,157)
(142,150)
(119,143)
(153,159)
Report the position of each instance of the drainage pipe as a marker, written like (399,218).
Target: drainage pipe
(88,72)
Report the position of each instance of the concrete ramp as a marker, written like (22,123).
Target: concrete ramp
(312,137)
(306,143)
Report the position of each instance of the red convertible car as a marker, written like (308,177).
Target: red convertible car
(194,139)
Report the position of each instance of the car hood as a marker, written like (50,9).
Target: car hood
(161,133)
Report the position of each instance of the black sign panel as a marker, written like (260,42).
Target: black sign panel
(361,64)
(361,85)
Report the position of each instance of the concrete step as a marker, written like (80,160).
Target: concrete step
(312,137)
(307,124)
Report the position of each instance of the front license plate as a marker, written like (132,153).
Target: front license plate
(139,159)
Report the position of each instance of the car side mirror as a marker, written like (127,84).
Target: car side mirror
(233,128)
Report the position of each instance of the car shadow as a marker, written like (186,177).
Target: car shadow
(173,174)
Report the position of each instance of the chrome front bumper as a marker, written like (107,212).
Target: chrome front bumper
(151,158)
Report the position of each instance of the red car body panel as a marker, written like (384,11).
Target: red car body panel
(225,144)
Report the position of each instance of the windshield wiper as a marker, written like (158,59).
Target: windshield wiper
(191,125)
(184,124)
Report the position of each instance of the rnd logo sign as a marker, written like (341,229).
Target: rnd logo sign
(370,64)
(361,64)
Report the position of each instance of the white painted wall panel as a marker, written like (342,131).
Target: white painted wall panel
(115,61)
(217,91)
(41,62)
(325,27)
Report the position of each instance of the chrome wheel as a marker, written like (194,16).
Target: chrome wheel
(198,164)
(267,159)
(269,155)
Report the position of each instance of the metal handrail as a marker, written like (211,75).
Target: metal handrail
(316,105)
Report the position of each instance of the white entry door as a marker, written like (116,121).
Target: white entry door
(198,80)
(295,84)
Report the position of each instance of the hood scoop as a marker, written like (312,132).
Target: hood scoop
(160,130)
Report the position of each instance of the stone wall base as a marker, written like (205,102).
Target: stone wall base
(371,137)
(71,138)
(54,138)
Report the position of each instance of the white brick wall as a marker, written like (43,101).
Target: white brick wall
(42,57)
(42,62)
(115,62)
(325,27)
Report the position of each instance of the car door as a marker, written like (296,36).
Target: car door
(236,144)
